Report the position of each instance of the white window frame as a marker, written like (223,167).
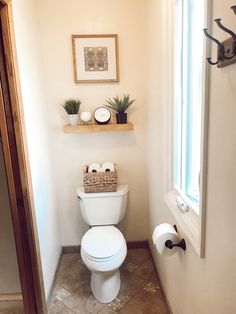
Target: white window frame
(191,225)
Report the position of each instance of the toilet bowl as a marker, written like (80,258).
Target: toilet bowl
(103,250)
(103,247)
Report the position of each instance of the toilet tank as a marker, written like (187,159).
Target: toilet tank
(103,208)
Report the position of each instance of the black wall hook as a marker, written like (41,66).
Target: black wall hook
(227,30)
(233,8)
(226,50)
(233,35)
(220,48)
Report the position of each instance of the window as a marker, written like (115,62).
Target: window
(188,87)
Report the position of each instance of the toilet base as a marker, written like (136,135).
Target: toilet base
(105,285)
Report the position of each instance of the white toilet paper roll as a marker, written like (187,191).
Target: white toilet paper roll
(161,234)
(108,166)
(94,167)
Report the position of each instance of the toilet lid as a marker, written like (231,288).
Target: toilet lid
(103,241)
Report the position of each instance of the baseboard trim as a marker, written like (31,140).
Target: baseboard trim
(11,297)
(54,281)
(137,245)
(162,287)
(71,249)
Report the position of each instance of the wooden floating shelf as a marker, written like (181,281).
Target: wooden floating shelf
(98,127)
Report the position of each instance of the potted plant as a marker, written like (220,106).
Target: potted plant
(120,105)
(72,106)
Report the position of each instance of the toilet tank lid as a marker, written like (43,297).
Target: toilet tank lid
(121,190)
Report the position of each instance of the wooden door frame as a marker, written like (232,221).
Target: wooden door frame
(21,196)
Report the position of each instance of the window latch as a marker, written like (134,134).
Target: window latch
(182,205)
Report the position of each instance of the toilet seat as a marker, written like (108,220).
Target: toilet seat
(103,260)
(103,248)
(103,243)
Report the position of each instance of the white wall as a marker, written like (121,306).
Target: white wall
(36,122)
(58,21)
(194,285)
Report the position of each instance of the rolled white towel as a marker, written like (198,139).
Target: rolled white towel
(108,166)
(94,167)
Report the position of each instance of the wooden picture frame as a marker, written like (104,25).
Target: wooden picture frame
(95,58)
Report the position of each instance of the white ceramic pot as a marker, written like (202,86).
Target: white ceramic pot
(73,119)
(85,116)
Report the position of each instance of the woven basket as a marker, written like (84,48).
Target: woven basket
(100,181)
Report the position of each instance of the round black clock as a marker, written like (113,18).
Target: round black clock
(102,115)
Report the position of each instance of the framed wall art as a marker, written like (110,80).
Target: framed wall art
(95,58)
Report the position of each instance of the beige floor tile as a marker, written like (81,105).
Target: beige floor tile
(60,293)
(140,291)
(150,287)
(107,310)
(146,270)
(57,307)
(146,303)
(131,284)
(116,304)
(137,256)
(130,267)
(73,276)
(11,307)
(83,301)
(68,259)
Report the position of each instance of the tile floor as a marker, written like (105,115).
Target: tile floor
(140,291)
(11,307)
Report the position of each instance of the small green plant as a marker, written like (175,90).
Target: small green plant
(120,104)
(71,105)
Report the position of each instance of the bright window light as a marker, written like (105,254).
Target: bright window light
(188,97)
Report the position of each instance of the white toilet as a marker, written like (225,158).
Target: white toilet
(103,247)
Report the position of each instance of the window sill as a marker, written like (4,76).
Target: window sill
(187,222)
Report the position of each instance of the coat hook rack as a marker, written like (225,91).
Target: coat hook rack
(226,50)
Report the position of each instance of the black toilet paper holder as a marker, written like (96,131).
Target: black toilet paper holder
(169,244)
